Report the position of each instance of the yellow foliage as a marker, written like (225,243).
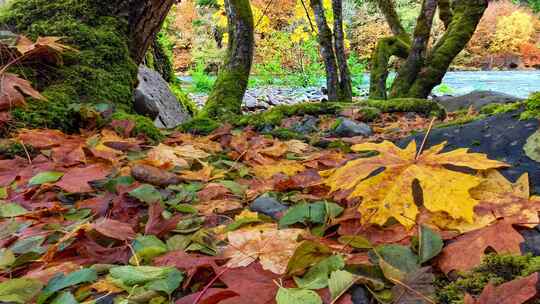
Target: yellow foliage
(513,31)
(389,194)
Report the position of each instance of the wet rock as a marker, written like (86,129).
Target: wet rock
(351,128)
(307,125)
(532,241)
(359,295)
(501,137)
(154,98)
(154,176)
(476,99)
(267,205)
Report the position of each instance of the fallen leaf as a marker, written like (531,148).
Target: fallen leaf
(288,167)
(114,229)
(417,287)
(76,180)
(518,291)
(218,206)
(12,88)
(389,193)
(165,157)
(272,247)
(467,250)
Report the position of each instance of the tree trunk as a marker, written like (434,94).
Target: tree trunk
(332,48)
(228,92)
(345,82)
(112,37)
(420,73)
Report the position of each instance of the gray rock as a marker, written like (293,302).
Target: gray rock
(267,205)
(154,98)
(359,295)
(307,125)
(501,137)
(476,99)
(350,128)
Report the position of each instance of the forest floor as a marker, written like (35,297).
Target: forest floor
(238,216)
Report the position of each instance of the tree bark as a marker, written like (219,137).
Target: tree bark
(345,82)
(228,92)
(327,50)
(420,73)
(332,48)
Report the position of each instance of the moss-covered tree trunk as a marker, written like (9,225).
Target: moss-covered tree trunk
(423,70)
(112,37)
(332,48)
(228,91)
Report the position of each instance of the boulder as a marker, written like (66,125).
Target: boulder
(476,99)
(154,98)
(501,137)
(351,128)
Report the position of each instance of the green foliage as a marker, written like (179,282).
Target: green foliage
(200,125)
(357,69)
(496,269)
(532,105)
(497,108)
(143,125)
(201,81)
(101,72)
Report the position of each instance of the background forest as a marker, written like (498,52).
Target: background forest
(508,37)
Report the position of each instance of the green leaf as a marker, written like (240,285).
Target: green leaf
(168,284)
(186,208)
(235,187)
(317,276)
(19,290)
(297,296)
(65,298)
(178,242)
(306,254)
(340,281)
(242,222)
(29,244)
(315,213)
(399,257)
(148,247)
(45,177)
(146,193)
(60,282)
(11,210)
(355,241)
(112,184)
(7,258)
(3,193)
(165,279)
(430,245)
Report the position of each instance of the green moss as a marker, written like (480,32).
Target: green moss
(380,60)
(227,95)
(143,125)
(10,149)
(184,99)
(497,108)
(422,106)
(101,72)
(532,107)
(496,269)
(287,134)
(200,125)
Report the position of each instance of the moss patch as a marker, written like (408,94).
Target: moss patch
(143,125)
(532,107)
(422,106)
(496,269)
(102,72)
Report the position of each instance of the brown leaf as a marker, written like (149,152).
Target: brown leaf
(154,176)
(42,138)
(419,287)
(218,206)
(246,280)
(76,180)
(114,229)
(211,296)
(517,291)
(12,89)
(156,224)
(467,250)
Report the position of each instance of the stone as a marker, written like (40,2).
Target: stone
(154,98)
(532,241)
(501,137)
(307,125)
(359,295)
(532,147)
(351,128)
(268,205)
(476,99)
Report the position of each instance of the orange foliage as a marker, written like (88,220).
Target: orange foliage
(531,55)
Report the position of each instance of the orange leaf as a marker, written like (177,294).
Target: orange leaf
(517,291)
(12,88)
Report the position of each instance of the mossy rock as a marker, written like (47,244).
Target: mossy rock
(101,72)
(143,125)
(532,107)
(495,269)
(417,105)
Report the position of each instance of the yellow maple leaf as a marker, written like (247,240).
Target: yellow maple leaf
(288,167)
(498,198)
(205,174)
(389,194)
(271,246)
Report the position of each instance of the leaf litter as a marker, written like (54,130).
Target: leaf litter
(83,219)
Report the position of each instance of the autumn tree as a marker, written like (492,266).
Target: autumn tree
(232,81)
(422,68)
(332,49)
